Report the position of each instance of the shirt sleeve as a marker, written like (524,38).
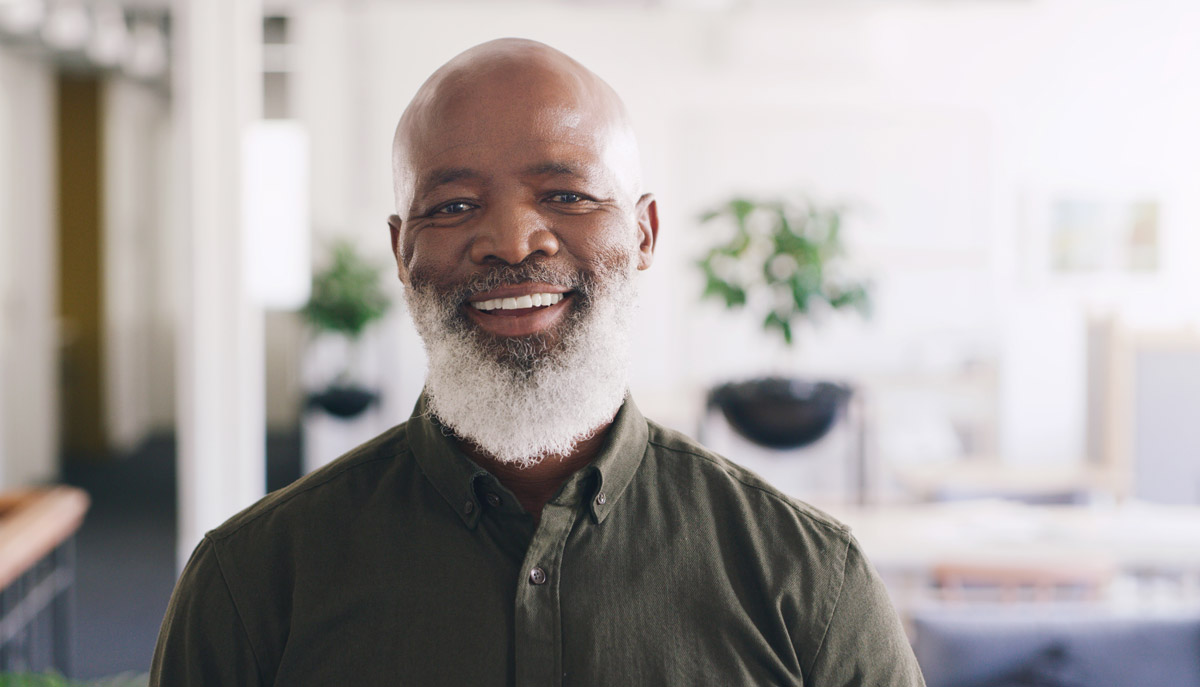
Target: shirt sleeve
(864,643)
(203,641)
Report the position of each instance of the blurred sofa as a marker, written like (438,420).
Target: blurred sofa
(1056,645)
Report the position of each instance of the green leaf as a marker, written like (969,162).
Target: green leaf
(735,296)
(741,209)
(783,226)
(713,287)
(854,296)
(775,321)
(786,326)
(801,295)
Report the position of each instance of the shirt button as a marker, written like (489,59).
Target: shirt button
(469,507)
(601,499)
(537,576)
(493,500)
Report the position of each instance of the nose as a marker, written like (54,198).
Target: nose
(512,233)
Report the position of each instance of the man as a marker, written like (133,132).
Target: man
(527,526)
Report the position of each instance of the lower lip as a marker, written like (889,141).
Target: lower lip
(519,322)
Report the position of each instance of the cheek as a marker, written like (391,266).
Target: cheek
(605,243)
(433,257)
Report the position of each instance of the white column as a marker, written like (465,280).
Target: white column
(133,120)
(217,88)
(5,287)
(28,288)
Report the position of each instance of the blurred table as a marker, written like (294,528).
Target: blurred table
(1134,537)
(983,477)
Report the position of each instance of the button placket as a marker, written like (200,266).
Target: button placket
(538,603)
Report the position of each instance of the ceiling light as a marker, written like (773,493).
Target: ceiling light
(110,40)
(67,27)
(147,57)
(22,17)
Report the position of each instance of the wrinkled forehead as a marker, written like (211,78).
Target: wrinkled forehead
(514,103)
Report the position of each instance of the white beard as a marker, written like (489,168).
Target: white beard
(521,400)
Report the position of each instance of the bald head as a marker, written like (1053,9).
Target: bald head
(504,92)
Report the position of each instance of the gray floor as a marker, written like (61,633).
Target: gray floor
(126,551)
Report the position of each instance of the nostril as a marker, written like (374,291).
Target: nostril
(512,246)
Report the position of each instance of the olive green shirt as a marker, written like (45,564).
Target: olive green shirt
(404,563)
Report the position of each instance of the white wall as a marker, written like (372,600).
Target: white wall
(946,123)
(28,295)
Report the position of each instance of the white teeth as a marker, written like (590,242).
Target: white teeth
(537,300)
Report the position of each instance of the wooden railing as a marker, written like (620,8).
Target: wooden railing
(37,575)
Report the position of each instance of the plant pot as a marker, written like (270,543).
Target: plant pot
(343,401)
(780,413)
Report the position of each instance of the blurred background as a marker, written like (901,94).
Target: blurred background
(196,303)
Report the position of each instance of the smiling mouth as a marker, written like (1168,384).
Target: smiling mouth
(520,310)
(535,300)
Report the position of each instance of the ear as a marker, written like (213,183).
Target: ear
(394,227)
(647,216)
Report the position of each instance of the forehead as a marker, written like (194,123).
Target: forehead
(502,115)
(499,118)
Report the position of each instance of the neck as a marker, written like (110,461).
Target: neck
(534,485)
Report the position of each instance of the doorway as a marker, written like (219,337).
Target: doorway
(80,267)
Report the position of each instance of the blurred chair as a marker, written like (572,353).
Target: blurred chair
(1055,645)
(1143,398)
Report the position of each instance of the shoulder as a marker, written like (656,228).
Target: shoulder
(803,560)
(729,487)
(841,623)
(248,573)
(341,484)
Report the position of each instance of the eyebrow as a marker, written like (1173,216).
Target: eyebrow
(447,175)
(557,169)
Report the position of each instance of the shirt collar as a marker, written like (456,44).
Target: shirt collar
(462,483)
(619,459)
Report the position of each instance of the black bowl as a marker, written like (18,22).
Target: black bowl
(343,401)
(780,413)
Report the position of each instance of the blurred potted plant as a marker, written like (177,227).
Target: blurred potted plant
(782,260)
(346,296)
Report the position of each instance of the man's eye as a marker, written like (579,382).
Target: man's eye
(454,208)
(566,197)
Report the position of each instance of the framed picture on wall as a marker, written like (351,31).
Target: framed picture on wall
(1094,241)
(1101,235)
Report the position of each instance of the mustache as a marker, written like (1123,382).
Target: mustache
(509,275)
(586,283)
